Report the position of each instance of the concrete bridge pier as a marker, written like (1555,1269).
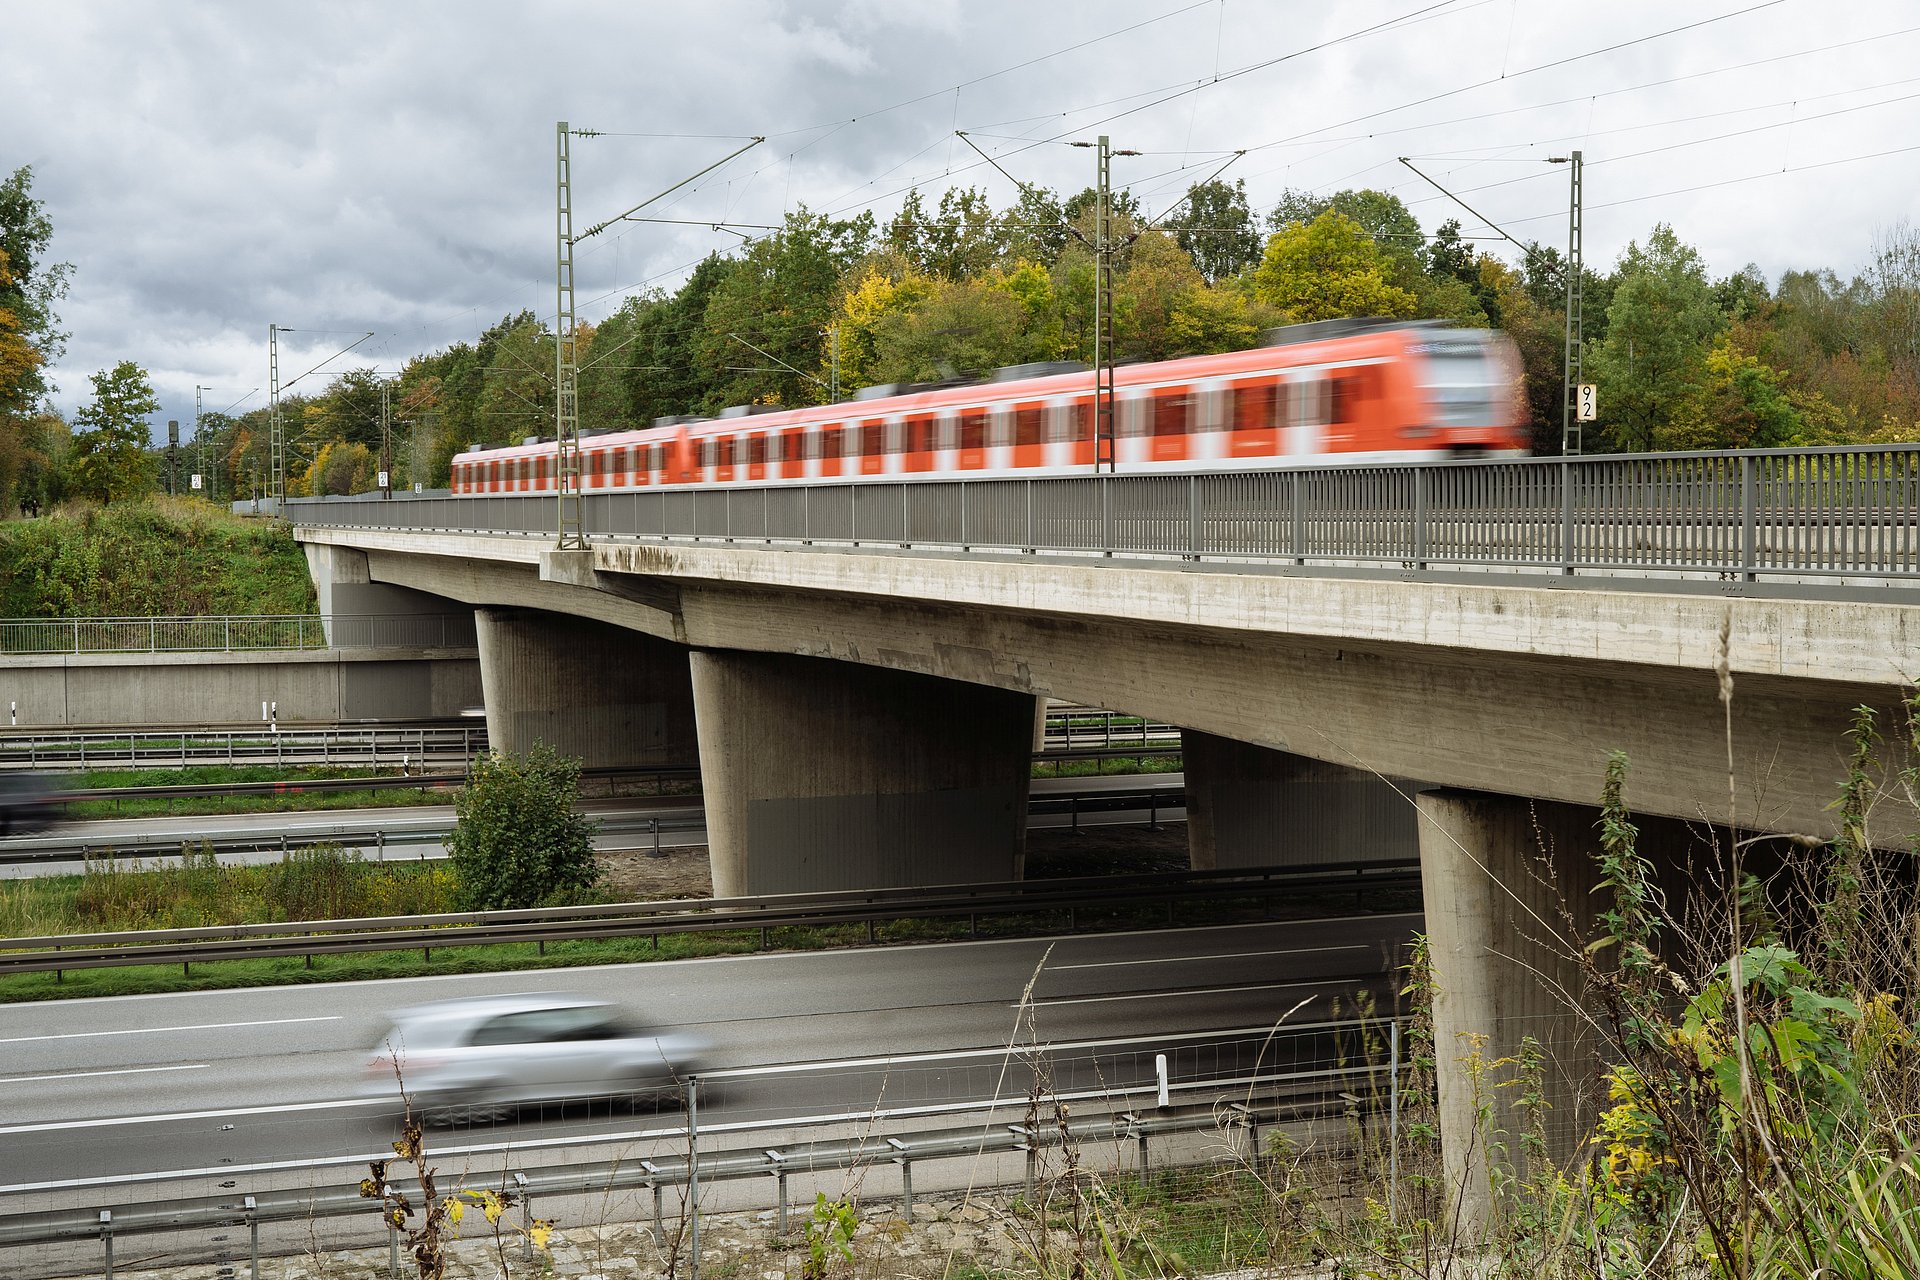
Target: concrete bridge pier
(604,694)
(822,774)
(1502,876)
(1253,806)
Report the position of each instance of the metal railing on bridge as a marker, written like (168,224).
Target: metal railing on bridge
(228,634)
(1741,517)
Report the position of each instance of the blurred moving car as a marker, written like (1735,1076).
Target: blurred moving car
(484,1055)
(28,803)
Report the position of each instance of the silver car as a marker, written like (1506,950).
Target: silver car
(484,1055)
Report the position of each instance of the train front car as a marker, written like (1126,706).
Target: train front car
(1466,395)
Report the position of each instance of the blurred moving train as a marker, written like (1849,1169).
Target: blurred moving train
(1330,393)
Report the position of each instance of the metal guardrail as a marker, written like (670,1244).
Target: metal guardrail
(370,746)
(1739,517)
(58,952)
(233,634)
(1067,733)
(1232,1097)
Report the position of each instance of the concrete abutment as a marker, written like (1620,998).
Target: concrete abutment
(824,775)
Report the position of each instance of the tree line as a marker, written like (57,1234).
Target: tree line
(954,287)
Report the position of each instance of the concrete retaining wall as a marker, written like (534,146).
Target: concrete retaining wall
(142,690)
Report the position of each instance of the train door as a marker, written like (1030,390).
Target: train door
(1172,418)
(922,437)
(1253,410)
(872,460)
(973,439)
(1029,435)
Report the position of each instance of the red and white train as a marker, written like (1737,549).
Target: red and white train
(1329,394)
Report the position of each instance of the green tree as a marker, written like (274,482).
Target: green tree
(887,286)
(1327,269)
(516,839)
(1659,327)
(516,395)
(1157,276)
(964,328)
(779,298)
(1216,228)
(341,467)
(29,288)
(1035,228)
(110,459)
(349,409)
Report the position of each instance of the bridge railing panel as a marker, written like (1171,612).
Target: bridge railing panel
(879,513)
(1068,515)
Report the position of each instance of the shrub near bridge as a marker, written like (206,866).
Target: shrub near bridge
(517,841)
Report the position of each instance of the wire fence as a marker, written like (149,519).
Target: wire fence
(231,634)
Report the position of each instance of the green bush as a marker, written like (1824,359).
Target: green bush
(517,841)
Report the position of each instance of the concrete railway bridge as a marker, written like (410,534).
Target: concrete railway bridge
(857,664)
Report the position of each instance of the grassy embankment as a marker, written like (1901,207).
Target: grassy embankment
(165,556)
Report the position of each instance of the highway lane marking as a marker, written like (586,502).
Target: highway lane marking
(88,1075)
(147,1031)
(1230,955)
(103,1122)
(1185,992)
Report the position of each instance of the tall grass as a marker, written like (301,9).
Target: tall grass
(196,890)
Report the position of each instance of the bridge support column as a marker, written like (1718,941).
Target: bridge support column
(1501,877)
(602,693)
(1252,806)
(831,775)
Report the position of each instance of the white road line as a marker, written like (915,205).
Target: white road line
(88,1075)
(148,1031)
(107,1122)
(1231,955)
(1184,993)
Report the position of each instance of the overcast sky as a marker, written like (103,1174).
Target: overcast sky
(339,168)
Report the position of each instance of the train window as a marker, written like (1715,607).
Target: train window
(896,437)
(740,450)
(870,440)
(792,443)
(1170,414)
(1000,428)
(657,458)
(756,451)
(709,453)
(1132,417)
(1254,404)
(921,430)
(1026,425)
(1080,421)
(834,441)
(973,430)
(949,433)
(1345,391)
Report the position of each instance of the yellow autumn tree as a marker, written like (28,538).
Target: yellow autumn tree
(1328,269)
(885,288)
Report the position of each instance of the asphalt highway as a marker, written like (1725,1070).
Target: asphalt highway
(195,1090)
